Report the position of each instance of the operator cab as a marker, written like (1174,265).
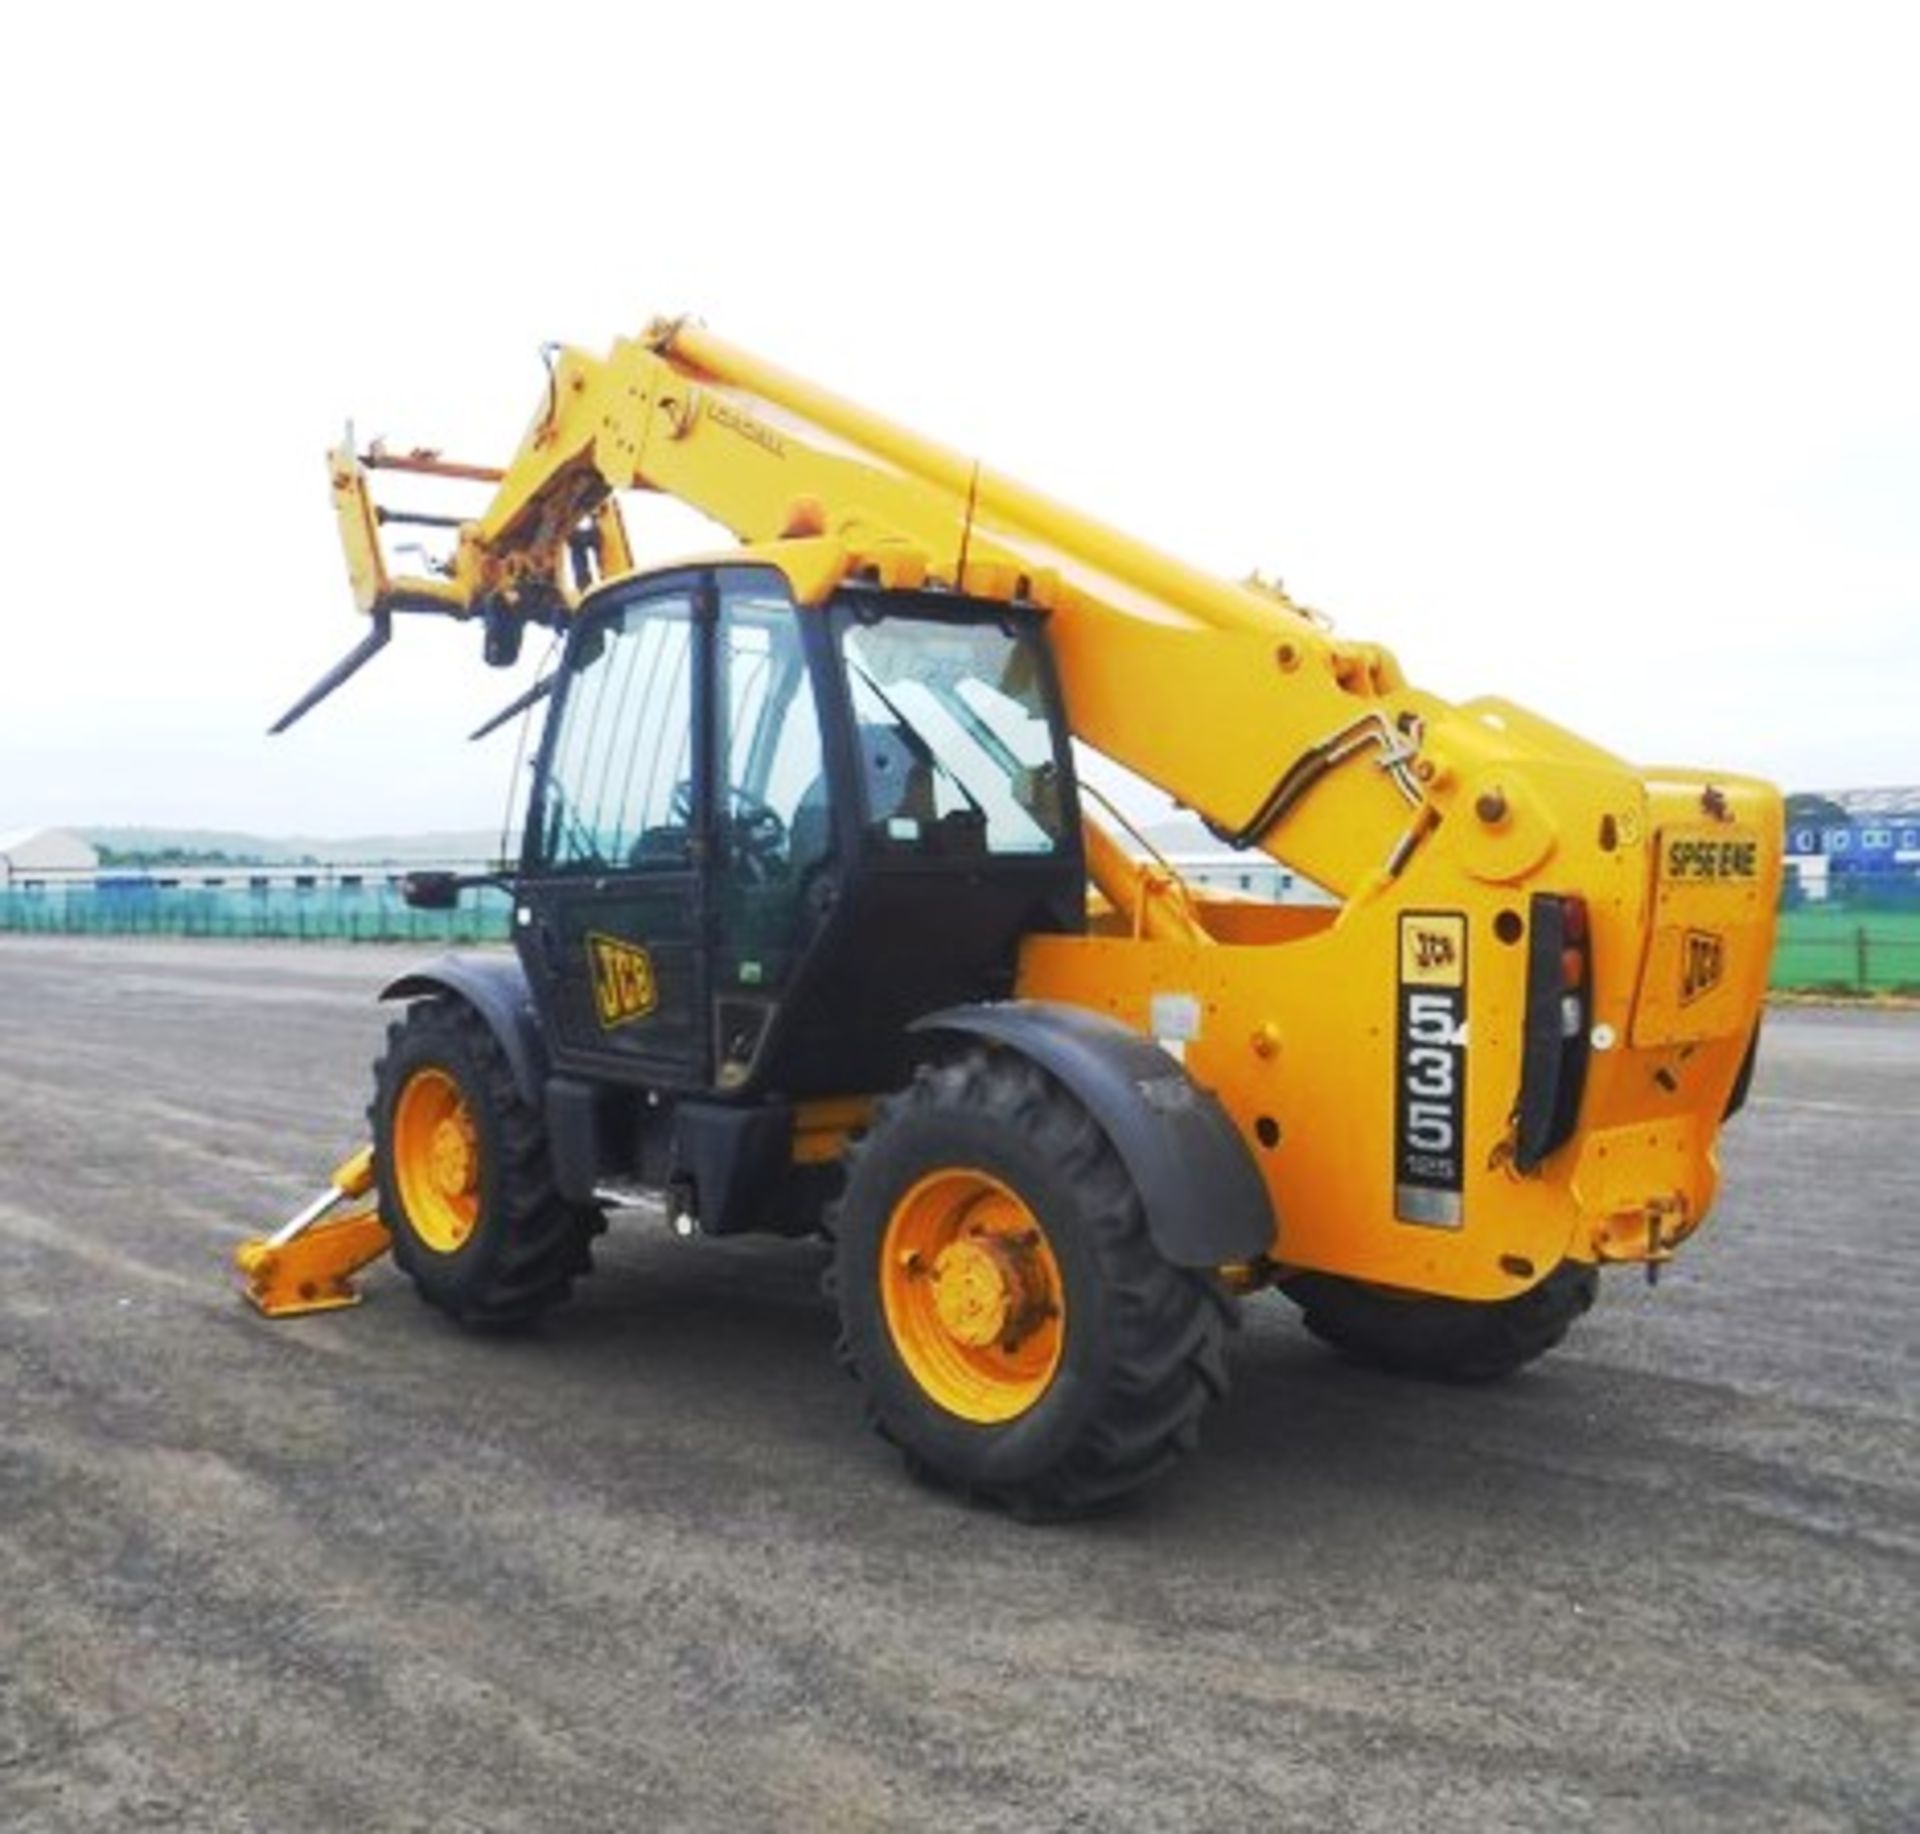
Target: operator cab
(763,838)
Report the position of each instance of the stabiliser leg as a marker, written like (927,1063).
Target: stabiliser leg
(308,1263)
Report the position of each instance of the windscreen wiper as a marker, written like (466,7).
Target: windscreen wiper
(518,705)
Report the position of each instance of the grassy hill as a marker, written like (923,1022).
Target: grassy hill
(188,844)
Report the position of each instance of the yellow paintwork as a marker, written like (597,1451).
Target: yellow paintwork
(308,1266)
(313,1272)
(1147,897)
(972,1295)
(1294,1034)
(436,1160)
(821,1128)
(359,530)
(353,1177)
(1221,694)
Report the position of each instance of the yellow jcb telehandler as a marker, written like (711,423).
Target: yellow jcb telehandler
(813,930)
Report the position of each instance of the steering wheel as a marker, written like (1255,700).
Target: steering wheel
(758,837)
(756,834)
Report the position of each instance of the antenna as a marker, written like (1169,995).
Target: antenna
(549,354)
(966,528)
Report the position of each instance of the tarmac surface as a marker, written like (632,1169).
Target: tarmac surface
(642,1568)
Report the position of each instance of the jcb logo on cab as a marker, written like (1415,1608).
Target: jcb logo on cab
(623,985)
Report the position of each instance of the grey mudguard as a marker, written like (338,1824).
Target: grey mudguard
(495,986)
(1206,1203)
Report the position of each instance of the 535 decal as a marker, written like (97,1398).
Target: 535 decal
(1430,1085)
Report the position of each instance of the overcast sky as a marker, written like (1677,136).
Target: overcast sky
(1573,353)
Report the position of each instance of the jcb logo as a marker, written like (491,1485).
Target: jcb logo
(1703,959)
(623,988)
(1433,949)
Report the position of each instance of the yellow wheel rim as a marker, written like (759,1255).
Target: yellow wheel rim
(436,1160)
(973,1295)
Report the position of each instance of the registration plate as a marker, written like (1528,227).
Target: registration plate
(1709,856)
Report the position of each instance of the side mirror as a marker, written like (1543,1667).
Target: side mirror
(501,631)
(430,891)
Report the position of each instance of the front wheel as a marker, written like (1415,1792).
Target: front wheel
(1450,1340)
(1019,1337)
(466,1188)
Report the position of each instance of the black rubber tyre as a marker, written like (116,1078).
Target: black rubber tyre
(527,1244)
(1449,1340)
(1142,1350)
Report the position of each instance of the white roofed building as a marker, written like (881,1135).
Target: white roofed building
(31,853)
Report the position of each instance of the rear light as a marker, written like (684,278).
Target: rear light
(1553,1060)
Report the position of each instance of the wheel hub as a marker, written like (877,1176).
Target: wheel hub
(975,1284)
(973,1295)
(437,1160)
(452,1156)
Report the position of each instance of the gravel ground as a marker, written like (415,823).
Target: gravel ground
(642,1568)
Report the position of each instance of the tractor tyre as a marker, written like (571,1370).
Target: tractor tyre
(1019,1337)
(1449,1340)
(466,1188)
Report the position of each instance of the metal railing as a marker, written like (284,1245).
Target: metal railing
(1847,949)
(328,905)
(1863,945)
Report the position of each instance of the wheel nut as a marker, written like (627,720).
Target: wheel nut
(1491,806)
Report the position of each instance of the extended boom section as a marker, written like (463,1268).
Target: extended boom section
(845,494)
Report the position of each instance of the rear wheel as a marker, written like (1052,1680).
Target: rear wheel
(1454,1340)
(1019,1337)
(465,1184)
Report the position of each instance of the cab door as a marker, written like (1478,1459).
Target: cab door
(613,914)
(776,858)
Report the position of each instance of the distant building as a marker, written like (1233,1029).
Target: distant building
(30,855)
(1838,837)
(1252,874)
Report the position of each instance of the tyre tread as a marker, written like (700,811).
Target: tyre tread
(549,1241)
(1170,1322)
(1448,1340)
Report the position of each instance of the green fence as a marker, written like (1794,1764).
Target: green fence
(1848,949)
(325,911)
(1843,948)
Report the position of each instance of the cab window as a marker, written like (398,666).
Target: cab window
(618,793)
(955,749)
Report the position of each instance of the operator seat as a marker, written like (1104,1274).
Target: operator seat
(896,782)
